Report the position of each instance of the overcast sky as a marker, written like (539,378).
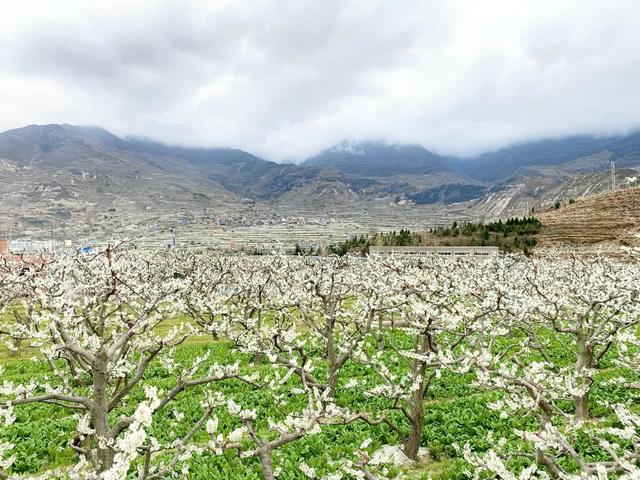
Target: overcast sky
(285,79)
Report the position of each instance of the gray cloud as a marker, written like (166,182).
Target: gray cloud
(284,79)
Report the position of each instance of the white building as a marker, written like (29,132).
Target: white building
(26,245)
(445,251)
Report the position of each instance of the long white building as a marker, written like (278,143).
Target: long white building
(447,251)
(33,246)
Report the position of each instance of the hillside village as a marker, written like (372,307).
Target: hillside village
(603,221)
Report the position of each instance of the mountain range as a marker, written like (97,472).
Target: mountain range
(89,179)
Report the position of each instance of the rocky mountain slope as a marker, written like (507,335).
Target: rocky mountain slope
(608,219)
(89,181)
(499,182)
(78,176)
(520,158)
(236,170)
(583,153)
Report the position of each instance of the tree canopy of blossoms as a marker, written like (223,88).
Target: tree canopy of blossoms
(540,332)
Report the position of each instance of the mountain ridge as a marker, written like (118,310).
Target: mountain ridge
(370,158)
(493,165)
(52,173)
(379,159)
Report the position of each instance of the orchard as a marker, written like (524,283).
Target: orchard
(126,364)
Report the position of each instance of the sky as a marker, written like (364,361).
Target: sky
(286,79)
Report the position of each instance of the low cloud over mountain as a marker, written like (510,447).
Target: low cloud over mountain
(286,80)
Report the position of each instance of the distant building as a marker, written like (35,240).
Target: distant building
(6,252)
(33,246)
(445,251)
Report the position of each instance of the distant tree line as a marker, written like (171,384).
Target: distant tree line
(511,235)
(511,226)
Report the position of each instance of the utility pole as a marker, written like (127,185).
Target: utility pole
(613,176)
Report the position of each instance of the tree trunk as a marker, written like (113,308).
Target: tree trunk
(265,461)
(332,380)
(380,339)
(257,359)
(581,402)
(412,443)
(548,463)
(332,359)
(418,369)
(582,406)
(15,350)
(100,411)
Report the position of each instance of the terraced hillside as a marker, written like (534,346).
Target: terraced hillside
(608,219)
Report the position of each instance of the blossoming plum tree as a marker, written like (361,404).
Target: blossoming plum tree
(96,321)
(543,332)
(565,313)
